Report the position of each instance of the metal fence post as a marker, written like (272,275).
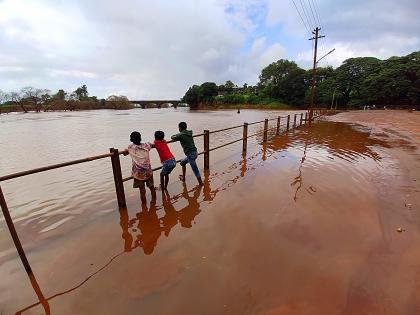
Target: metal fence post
(206,149)
(301,118)
(294,121)
(116,170)
(278,126)
(265,130)
(288,122)
(13,233)
(306,118)
(245,138)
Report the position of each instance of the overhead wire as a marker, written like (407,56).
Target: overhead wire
(314,6)
(323,40)
(304,24)
(306,14)
(317,24)
(313,14)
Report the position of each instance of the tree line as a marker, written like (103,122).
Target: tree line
(357,82)
(35,99)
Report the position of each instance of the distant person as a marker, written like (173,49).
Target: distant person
(142,169)
(239,111)
(185,137)
(166,157)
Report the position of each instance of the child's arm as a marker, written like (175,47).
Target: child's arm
(176,137)
(125,152)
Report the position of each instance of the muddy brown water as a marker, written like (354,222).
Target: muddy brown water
(306,224)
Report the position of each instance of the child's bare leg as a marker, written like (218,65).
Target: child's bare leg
(142,194)
(166,181)
(184,170)
(162,182)
(153,192)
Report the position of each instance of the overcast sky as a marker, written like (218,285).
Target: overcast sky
(157,49)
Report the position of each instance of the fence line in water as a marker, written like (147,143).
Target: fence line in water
(116,166)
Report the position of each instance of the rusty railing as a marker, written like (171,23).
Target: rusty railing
(114,155)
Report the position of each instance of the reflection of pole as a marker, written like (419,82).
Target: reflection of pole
(126,235)
(264,156)
(13,233)
(39,294)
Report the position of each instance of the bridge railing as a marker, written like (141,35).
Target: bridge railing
(114,155)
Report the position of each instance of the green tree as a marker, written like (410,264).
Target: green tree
(285,81)
(191,97)
(207,91)
(229,86)
(60,95)
(350,77)
(81,93)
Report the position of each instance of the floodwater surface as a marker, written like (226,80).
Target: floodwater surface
(305,224)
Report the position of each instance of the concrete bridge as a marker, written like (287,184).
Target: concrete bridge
(156,103)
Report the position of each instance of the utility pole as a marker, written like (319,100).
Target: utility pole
(311,104)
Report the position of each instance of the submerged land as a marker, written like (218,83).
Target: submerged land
(320,220)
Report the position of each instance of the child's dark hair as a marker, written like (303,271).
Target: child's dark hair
(159,135)
(135,137)
(182,125)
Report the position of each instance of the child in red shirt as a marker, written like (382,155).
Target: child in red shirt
(166,157)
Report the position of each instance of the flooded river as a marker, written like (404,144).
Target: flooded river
(305,224)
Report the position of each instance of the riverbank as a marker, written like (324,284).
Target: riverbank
(279,106)
(272,106)
(307,224)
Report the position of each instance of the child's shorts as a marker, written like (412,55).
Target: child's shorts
(139,183)
(168,166)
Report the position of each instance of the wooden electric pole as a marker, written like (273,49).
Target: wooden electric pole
(311,104)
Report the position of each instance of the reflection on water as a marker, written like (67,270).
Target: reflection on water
(59,198)
(324,140)
(325,143)
(340,140)
(149,227)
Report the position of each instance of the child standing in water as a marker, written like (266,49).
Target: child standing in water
(166,157)
(142,169)
(185,137)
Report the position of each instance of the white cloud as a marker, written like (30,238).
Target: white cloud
(157,49)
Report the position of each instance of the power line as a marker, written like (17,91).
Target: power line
(314,5)
(306,15)
(313,15)
(321,24)
(304,24)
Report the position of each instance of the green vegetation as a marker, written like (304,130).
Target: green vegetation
(357,82)
(34,99)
